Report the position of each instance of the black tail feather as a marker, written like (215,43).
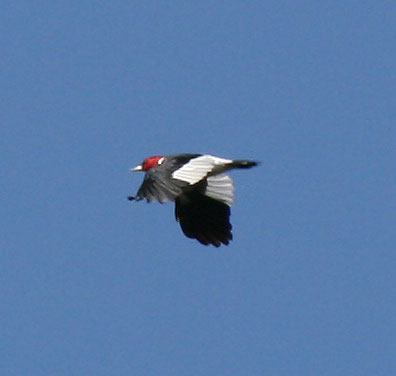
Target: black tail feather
(244,163)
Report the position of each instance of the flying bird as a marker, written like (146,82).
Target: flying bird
(201,188)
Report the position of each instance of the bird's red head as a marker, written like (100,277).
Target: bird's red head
(151,162)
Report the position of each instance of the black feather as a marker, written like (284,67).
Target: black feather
(204,218)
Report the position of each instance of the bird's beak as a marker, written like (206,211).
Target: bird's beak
(137,168)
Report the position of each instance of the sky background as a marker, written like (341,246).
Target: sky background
(91,284)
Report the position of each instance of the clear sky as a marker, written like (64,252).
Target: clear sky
(91,284)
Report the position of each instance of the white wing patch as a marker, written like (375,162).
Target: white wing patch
(198,168)
(221,188)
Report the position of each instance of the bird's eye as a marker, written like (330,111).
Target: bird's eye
(160,161)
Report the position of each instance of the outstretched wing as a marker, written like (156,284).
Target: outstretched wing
(204,218)
(201,167)
(155,188)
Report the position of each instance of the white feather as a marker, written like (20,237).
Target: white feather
(221,188)
(198,168)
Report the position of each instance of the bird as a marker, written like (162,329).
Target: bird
(201,189)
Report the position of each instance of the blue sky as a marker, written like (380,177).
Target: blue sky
(92,284)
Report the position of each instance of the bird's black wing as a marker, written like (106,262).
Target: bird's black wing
(204,218)
(155,188)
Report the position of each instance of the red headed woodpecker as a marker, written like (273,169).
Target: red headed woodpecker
(201,189)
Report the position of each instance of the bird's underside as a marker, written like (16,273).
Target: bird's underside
(202,191)
(201,217)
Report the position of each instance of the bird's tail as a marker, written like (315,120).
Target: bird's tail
(243,163)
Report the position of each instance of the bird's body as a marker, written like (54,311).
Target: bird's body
(201,189)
